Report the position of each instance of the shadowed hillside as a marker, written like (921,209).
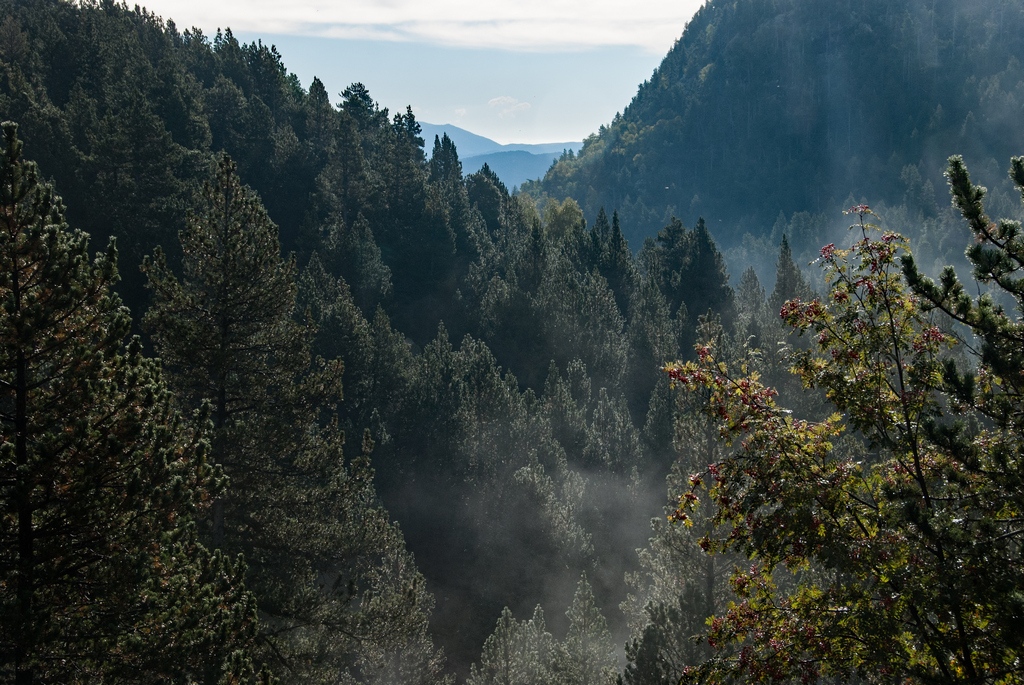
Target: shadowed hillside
(776,106)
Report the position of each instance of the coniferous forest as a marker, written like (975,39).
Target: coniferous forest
(287,397)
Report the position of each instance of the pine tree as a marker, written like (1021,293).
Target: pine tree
(445,166)
(704,280)
(585,656)
(500,660)
(601,229)
(409,130)
(101,576)
(225,333)
(488,195)
(617,266)
(690,271)
(665,647)
(579,320)
(321,121)
(360,106)
(517,653)
(751,306)
(789,281)
(336,588)
(680,586)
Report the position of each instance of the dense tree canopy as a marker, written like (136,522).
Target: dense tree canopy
(336,590)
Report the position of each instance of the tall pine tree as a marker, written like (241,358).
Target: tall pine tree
(337,591)
(101,575)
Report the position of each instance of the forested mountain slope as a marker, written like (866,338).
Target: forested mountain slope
(769,106)
(504,361)
(306,273)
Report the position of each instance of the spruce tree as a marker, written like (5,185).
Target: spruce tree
(101,575)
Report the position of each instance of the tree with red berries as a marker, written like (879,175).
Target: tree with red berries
(884,541)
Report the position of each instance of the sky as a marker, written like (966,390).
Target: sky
(529,71)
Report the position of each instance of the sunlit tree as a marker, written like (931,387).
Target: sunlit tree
(901,512)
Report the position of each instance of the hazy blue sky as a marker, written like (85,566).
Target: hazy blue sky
(529,71)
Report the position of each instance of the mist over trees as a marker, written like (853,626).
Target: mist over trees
(385,422)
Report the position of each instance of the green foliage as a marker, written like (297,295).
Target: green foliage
(690,272)
(102,577)
(679,586)
(225,330)
(789,281)
(444,161)
(905,545)
(561,219)
(131,116)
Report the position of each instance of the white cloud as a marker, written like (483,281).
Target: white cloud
(508,106)
(511,112)
(526,25)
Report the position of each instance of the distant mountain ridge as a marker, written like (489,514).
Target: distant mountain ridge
(514,163)
(471,145)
